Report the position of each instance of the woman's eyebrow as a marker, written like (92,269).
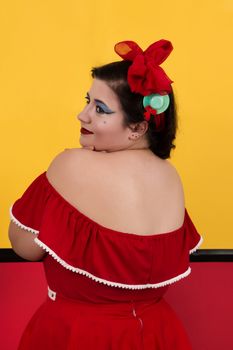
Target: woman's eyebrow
(96,100)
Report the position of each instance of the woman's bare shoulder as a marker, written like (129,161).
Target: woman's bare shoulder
(70,162)
(81,163)
(174,184)
(172,172)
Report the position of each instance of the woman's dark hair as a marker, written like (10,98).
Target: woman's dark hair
(115,75)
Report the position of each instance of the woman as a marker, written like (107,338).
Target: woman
(109,220)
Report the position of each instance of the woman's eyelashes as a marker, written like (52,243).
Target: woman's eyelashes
(87,99)
(100,107)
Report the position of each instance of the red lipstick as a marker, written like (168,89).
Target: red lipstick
(85,131)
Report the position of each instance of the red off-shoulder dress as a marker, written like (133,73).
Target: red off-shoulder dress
(105,287)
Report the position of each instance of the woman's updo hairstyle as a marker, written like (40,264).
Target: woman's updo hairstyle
(115,76)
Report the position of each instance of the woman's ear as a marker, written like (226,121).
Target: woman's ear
(141,127)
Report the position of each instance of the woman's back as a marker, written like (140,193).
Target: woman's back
(128,191)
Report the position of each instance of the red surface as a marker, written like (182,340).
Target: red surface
(203,301)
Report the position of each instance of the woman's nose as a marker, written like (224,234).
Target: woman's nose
(84,115)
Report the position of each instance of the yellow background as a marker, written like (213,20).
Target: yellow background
(47,50)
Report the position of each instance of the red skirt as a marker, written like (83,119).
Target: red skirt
(66,324)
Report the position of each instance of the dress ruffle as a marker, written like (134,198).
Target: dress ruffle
(111,257)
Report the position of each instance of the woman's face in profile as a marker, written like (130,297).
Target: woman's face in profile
(103,116)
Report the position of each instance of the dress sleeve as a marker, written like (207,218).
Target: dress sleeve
(194,238)
(27,211)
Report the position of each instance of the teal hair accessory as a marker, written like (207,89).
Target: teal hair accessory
(156,101)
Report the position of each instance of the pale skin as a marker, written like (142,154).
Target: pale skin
(114,179)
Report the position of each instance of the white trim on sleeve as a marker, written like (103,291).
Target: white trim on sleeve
(196,246)
(110,283)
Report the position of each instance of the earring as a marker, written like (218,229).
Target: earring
(134,136)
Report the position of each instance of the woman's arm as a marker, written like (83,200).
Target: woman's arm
(23,244)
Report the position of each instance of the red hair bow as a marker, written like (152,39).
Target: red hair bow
(145,76)
(149,111)
(158,118)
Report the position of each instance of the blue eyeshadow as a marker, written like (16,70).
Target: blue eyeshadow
(104,107)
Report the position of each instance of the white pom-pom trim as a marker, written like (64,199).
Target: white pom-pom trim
(18,223)
(197,246)
(106,282)
(95,278)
